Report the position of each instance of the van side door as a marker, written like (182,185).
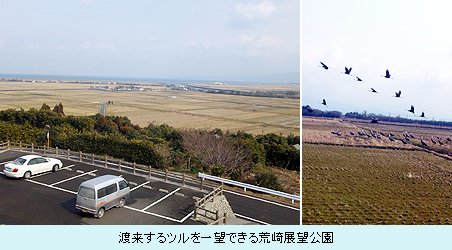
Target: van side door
(112,195)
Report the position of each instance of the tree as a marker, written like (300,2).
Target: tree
(59,109)
(214,150)
(100,123)
(45,107)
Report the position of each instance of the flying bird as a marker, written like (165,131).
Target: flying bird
(397,94)
(412,109)
(347,70)
(387,75)
(359,79)
(323,66)
(324,102)
(422,115)
(373,90)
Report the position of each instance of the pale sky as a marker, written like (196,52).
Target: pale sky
(254,40)
(412,39)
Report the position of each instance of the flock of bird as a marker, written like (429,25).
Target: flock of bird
(404,138)
(387,75)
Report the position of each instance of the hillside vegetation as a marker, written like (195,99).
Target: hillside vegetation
(239,156)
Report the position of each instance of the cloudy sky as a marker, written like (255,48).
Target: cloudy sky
(412,39)
(196,39)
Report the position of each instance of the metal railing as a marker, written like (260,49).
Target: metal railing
(249,186)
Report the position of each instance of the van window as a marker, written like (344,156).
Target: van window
(123,184)
(112,189)
(101,192)
(86,192)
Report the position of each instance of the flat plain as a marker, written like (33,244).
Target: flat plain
(355,179)
(159,104)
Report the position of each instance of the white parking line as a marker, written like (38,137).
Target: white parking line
(139,186)
(46,185)
(34,176)
(251,219)
(274,203)
(157,215)
(68,167)
(161,199)
(72,177)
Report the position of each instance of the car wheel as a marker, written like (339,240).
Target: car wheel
(122,202)
(55,168)
(27,175)
(100,213)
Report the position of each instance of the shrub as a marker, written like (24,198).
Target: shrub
(268,180)
(217,170)
(237,174)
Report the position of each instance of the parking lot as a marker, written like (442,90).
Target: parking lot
(49,198)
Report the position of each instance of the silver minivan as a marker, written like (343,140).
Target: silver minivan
(97,195)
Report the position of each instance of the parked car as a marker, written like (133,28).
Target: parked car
(28,165)
(97,195)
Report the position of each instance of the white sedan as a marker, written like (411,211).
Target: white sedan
(28,165)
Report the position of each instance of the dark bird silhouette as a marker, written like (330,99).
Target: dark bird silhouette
(390,138)
(347,70)
(383,134)
(423,142)
(434,142)
(404,142)
(411,109)
(422,115)
(323,66)
(387,75)
(359,79)
(373,90)
(447,137)
(397,94)
(352,133)
(360,133)
(391,134)
(324,102)
(440,142)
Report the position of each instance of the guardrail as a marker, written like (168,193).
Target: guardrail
(249,186)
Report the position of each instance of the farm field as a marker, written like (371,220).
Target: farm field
(177,108)
(352,179)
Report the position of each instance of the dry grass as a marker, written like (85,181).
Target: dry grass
(345,183)
(180,109)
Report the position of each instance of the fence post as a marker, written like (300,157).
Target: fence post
(20,146)
(196,209)
(202,182)
(224,220)
(92,159)
(68,153)
(80,155)
(105,161)
(134,167)
(56,151)
(32,148)
(8,144)
(217,217)
(44,149)
(149,171)
(183,179)
(166,175)
(119,165)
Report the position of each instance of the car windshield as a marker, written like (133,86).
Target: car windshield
(86,192)
(19,161)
